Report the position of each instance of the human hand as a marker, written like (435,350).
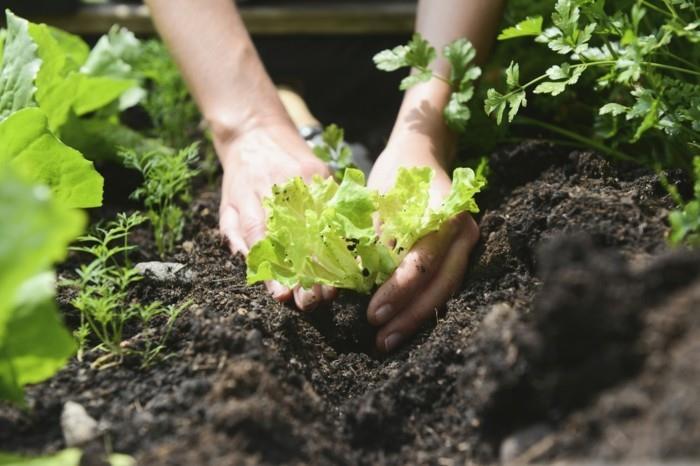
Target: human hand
(253,162)
(432,271)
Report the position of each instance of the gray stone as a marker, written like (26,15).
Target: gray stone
(518,443)
(77,425)
(165,272)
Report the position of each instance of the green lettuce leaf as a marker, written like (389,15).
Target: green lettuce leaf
(19,67)
(34,318)
(34,152)
(61,88)
(324,232)
(3,32)
(35,233)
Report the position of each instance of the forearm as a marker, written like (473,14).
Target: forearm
(440,23)
(219,63)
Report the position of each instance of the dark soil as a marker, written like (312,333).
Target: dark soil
(576,335)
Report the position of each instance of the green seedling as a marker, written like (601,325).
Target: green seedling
(325,232)
(103,301)
(167,178)
(334,150)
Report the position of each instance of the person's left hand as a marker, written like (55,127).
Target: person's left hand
(433,270)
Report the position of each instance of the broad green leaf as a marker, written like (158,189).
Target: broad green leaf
(531,26)
(36,344)
(113,55)
(55,89)
(97,92)
(73,47)
(19,67)
(324,232)
(61,88)
(3,32)
(31,149)
(99,139)
(36,233)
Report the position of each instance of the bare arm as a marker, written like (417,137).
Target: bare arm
(256,141)
(434,268)
(220,64)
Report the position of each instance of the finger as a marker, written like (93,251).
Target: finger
(415,271)
(230,227)
(278,291)
(328,293)
(306,300)
(252,220)
(426,304)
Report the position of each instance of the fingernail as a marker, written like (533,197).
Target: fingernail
(392,342)
(383,314)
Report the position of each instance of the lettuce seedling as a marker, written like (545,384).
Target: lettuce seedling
(27,145)
(325,232)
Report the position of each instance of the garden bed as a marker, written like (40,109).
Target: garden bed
(575,335)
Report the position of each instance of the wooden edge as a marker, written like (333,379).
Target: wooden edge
(375,18)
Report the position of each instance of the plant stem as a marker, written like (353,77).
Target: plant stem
(671,67)
(576,137)
(683,60)
(423,69)
(656,8)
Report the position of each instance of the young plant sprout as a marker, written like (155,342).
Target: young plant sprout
(102,294)
(167,177)
(334,150)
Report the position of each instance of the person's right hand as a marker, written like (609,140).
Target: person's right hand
(253,162)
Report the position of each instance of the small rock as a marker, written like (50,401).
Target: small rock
(188,247)
(166,272)
(77,425)
(520,442)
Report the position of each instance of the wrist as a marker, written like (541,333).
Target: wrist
(420,125)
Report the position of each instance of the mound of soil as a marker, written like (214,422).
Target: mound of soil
(575,335)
